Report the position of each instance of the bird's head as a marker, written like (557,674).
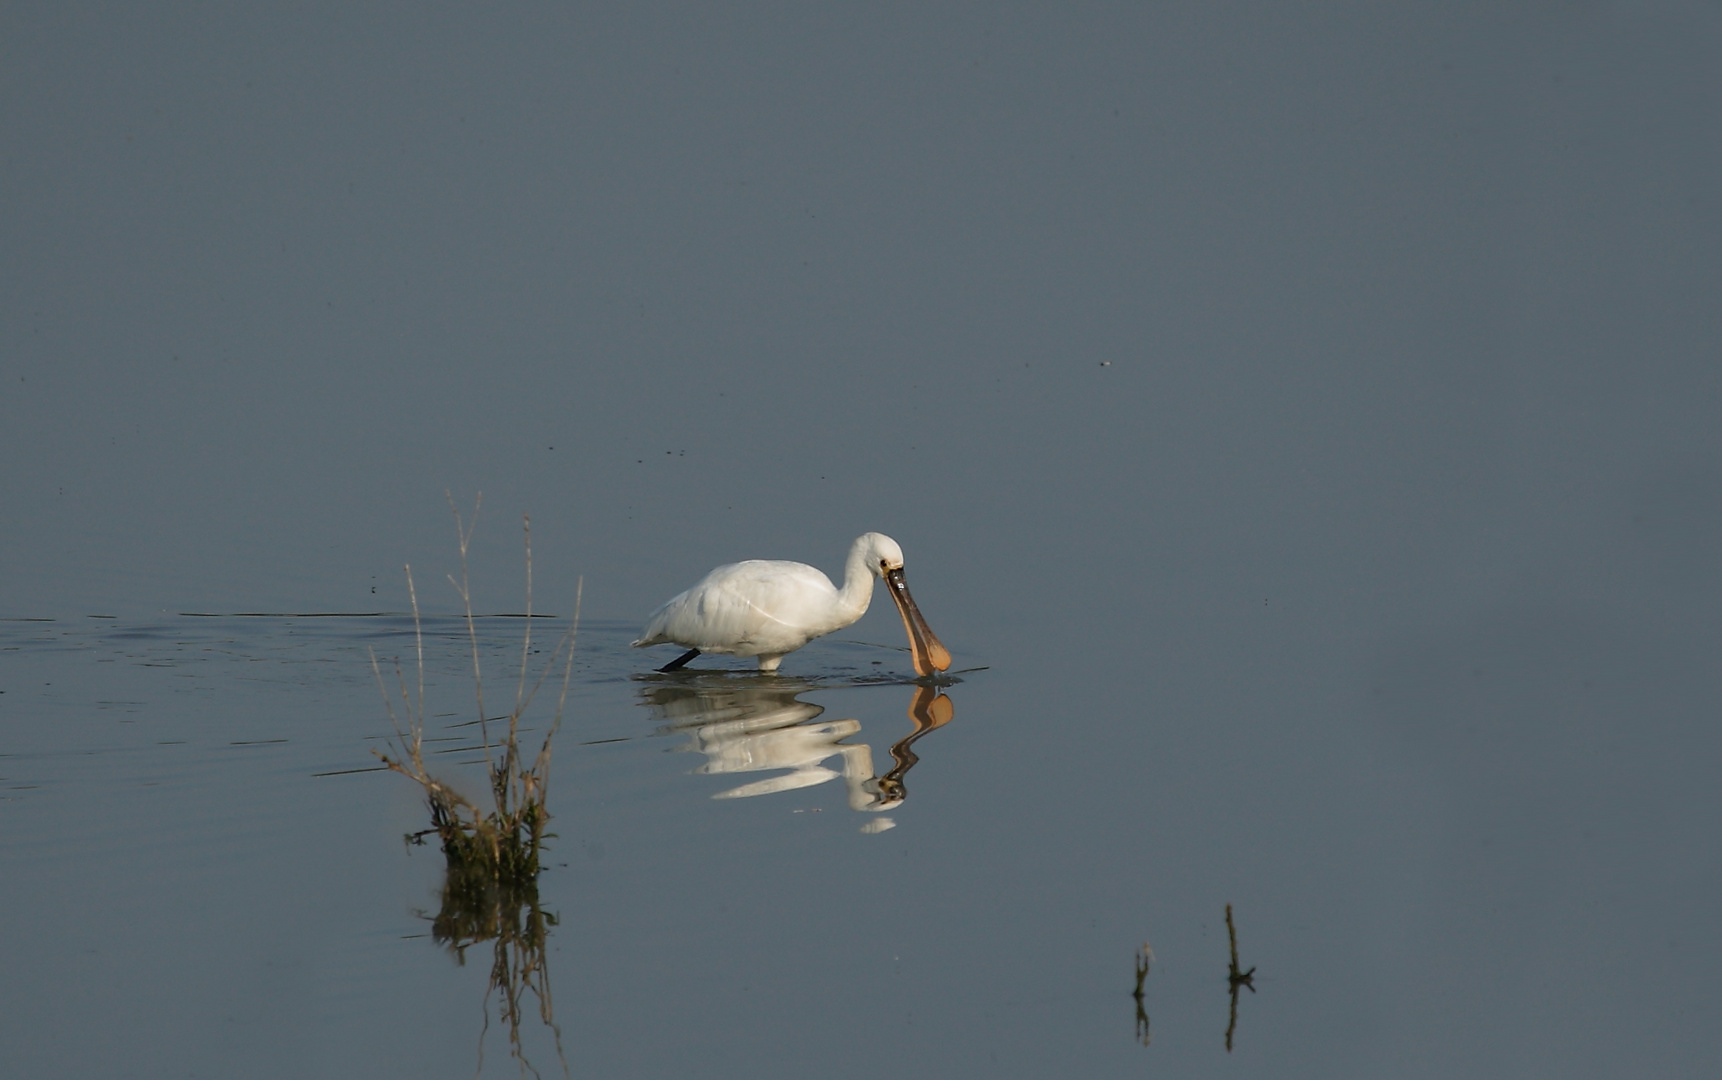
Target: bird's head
(883,554)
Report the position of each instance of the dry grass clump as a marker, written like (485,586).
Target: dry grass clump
(500,845)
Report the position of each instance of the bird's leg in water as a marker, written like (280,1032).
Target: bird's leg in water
(681,661)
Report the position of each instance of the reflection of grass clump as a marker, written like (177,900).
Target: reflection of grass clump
(478,908)
(490,891)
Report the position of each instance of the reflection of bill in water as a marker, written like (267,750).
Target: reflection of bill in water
(929,710)
(742,729)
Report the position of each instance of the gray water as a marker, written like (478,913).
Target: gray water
(1301,427)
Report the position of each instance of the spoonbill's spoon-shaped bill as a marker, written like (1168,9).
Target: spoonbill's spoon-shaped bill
(769,608)
(929,652)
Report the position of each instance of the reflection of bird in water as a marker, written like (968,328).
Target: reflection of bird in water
(767,608)
(761,728)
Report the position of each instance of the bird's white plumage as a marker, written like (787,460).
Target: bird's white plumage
(767,608)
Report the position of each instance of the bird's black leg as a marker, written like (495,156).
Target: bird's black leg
(681,661)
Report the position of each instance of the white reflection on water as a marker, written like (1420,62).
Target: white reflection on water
(766,727)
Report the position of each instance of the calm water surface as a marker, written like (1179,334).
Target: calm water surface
(748,879)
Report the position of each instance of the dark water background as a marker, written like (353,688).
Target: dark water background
(1308,420)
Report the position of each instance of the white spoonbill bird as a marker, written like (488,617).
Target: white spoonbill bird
(767,608)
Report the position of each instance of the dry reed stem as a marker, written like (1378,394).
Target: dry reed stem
(463,536)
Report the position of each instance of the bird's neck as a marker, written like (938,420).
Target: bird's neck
(857,590)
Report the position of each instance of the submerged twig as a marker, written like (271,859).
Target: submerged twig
(1144,957)
(1235,978)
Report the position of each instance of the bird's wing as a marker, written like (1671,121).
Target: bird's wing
(736,608)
